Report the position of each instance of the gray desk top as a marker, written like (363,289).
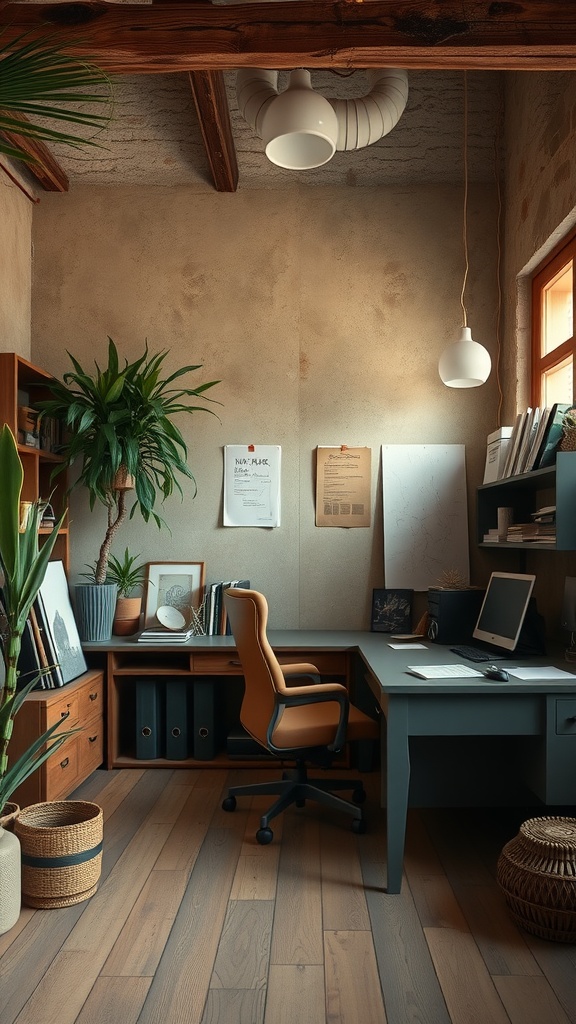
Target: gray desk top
(386,664)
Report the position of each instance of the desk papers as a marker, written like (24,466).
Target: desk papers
(540,672)
(443,671)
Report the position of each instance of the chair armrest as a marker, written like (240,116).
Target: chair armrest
(302,669)
(298,696)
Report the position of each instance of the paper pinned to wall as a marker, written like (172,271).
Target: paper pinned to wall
(343,486)
(252,484)
(425,514)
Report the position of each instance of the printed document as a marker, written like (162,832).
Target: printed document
(252,485)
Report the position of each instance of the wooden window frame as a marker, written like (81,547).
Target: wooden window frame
(547,270)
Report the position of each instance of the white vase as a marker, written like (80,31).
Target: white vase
(10,882)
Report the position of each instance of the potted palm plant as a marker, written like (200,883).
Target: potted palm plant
(22,568)
(120,432)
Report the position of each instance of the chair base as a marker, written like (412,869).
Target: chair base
(296,788)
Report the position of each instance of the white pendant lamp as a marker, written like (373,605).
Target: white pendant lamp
(465,363)
(300,127)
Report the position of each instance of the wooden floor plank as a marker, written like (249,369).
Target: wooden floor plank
(234,1006)
(466,984)
(530,1001)
(296,995)
(353,990)
(297,931)
(501,943)
(63,990)
(343,899)
(187,836)
(244,949)
(180,986)
(115,1000)
(141,942)
(412,993)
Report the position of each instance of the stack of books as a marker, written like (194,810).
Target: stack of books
(215,618)
(165,636)
(534,439)
(541,533)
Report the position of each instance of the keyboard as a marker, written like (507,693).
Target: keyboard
(475,654)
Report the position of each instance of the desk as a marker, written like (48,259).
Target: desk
(415,707)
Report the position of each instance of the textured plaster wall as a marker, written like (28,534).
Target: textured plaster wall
(323,312)
(540,202)
(15,268)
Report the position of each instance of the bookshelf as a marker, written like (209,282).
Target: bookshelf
(21,385)
(554,485)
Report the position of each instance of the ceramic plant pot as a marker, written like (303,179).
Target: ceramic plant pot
(95,607)
(127,616)
(10,880)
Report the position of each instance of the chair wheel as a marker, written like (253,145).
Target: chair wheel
(229,803)
(358,826)
(264,836)
(358,797)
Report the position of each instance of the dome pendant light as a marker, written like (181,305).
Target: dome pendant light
(465,363)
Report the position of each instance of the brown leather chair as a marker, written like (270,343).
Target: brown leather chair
(310,722)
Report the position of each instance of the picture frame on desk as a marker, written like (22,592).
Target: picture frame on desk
(391,610)
(176,584)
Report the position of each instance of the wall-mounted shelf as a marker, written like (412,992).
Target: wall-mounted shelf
(555,485)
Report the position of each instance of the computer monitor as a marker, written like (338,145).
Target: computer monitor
(503,609)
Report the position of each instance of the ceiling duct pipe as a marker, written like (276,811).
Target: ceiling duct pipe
(298,125)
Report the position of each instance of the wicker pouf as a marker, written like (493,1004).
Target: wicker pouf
(61,852)
(537,874)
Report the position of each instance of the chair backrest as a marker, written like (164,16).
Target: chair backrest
(248,614)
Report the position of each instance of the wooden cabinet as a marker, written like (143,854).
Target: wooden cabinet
(83,701)
(526,493)
(218,671)
(22,385)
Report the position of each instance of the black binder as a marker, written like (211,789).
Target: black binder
(176,722)
(204,720)
(148,719)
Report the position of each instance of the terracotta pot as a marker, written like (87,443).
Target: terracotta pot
(127,616)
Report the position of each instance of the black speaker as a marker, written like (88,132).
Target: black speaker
(568,619)
(452,614)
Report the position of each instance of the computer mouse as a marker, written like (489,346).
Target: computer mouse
(493,672)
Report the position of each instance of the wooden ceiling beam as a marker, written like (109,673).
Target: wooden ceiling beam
(198,36)
(43,166)
(209,92)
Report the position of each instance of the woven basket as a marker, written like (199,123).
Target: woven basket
(537,874)
(61,852)
(8,816)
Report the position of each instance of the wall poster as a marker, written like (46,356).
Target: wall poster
(252,484)
(343,486)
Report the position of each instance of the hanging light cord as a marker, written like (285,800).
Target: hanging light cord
(465,218)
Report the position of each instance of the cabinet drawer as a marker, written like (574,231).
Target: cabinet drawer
(566,717)
(62,770)
(56,710)
(90,744)
(220,663)
(90,699)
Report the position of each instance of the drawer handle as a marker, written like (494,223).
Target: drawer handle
(92,739)
(234,662)
(93,696)
(65,762)
(65,714)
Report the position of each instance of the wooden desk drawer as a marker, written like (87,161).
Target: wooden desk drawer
(62,770)
(58,709)
(219,663)
(91,700)
(90,747)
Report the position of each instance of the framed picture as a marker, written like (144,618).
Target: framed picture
(176,584)
(56,618)
(392,611)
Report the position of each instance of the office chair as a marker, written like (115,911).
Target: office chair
(303,722)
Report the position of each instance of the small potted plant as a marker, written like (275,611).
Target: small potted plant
(128,575)
(120,430)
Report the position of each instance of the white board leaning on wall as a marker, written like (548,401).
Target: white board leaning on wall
(425,514)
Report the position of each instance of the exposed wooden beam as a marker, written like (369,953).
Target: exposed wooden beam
(45,168)
(190,36)
(209,93)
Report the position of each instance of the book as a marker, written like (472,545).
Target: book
(537,439)
(513,446)
(552,436)
(525,422)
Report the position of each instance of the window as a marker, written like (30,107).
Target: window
(553,342)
